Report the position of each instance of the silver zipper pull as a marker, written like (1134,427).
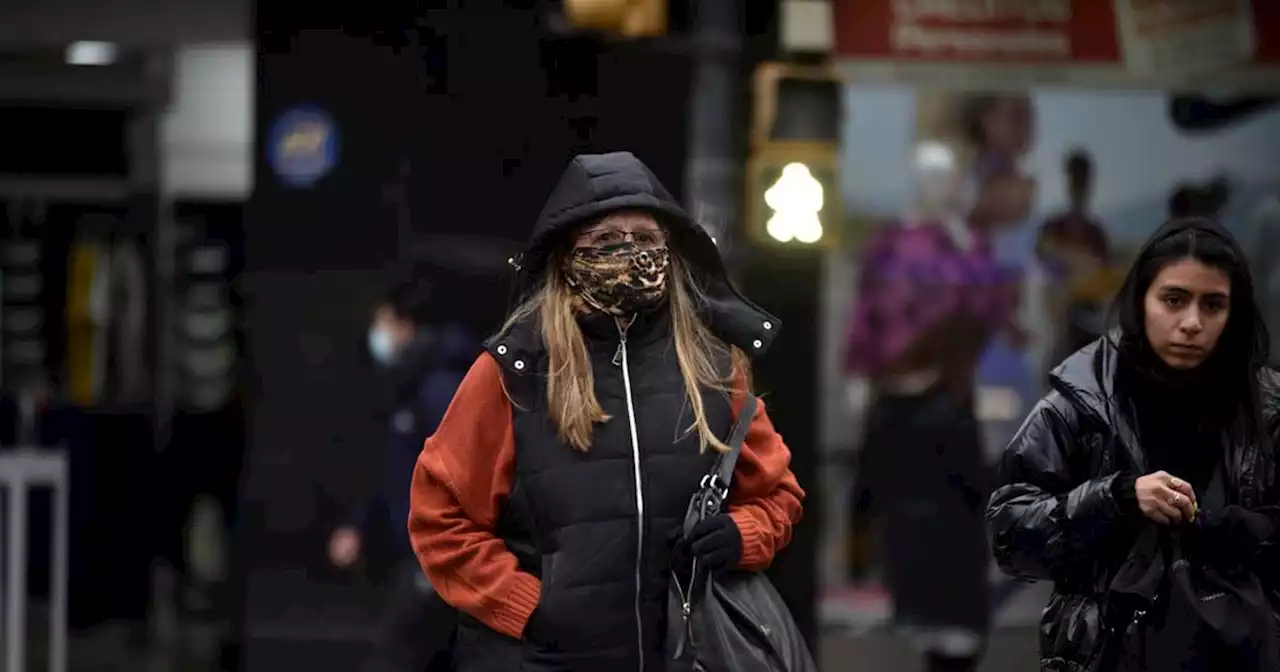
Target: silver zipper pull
(622,340)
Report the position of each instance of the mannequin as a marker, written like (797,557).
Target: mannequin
(929,300)
(939,191)
(938,199)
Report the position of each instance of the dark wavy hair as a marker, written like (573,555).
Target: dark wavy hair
(1244,347)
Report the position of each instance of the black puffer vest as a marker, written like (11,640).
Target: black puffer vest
(595,526)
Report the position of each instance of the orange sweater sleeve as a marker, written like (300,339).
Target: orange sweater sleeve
(460,482)
(765,500)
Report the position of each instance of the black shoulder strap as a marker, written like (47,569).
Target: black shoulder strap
(722,474)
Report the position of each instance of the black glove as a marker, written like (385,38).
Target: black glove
(681,556)
(716,542)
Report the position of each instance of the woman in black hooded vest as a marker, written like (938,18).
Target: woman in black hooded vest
(544,506)
(1147,473)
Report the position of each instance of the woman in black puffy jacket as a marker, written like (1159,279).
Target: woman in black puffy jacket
(1147,473)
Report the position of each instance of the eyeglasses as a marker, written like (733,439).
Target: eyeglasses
(645,238)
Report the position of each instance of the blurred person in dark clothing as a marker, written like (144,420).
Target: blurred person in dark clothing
(1075,238)
(1001,193)
(1143,485)
(1000,130)
(424,361)
(1074,246)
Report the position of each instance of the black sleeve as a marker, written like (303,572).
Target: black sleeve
(1040,520)
(1124,491)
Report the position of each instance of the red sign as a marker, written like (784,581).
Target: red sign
(973,31)
(1082,32)
(1266,32)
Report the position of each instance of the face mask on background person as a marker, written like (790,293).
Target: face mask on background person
(382,346)
(619,279)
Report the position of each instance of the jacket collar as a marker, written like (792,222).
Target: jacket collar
(519,349)
(1088,380)
(594,185)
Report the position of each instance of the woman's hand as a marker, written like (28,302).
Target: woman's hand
(716,542)
(1165,498)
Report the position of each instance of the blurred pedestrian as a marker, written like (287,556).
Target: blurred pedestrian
(423,359)
(1075,241)
(1001,130)
(1143,485)
(547,505)
(1074,247)
(1208,200)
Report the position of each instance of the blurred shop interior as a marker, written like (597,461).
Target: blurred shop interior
(203,201)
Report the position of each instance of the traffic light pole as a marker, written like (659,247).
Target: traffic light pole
(713,187)
(786,278)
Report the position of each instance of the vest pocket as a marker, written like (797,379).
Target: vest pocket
(543,634)
(478,648)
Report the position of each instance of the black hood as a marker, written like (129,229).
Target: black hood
(595,185)
(1087,379)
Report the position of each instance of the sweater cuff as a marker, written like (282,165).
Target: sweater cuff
(511,614)
(1124,492)
(755,548)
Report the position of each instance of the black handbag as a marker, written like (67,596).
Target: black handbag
(733,621)
(1193,612)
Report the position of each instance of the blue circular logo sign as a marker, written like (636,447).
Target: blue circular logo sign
(302,146)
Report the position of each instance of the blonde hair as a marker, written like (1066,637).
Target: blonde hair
(571,396)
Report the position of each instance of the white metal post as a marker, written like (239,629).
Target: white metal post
(16,584)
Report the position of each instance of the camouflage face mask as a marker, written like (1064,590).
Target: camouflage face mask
(618,279)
